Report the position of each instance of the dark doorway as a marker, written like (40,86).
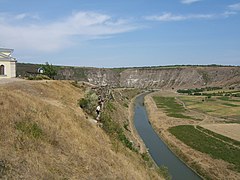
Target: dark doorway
(2,70)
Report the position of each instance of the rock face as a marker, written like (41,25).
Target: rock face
(157,77)
(180,77)
(103,77)
(97,76)
(187,77)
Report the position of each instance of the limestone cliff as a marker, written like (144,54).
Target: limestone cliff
(180,77)
(155,77)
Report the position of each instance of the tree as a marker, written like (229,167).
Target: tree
(50,70)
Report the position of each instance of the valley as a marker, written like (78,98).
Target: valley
(202,131)
(194,110)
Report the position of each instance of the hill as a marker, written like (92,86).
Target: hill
(167,77)
(45,135)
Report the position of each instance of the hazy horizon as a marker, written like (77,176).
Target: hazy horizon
(170,65)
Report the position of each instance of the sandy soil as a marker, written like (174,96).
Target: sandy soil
(213,168)
(229,130)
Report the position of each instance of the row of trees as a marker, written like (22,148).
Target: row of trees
(198,90)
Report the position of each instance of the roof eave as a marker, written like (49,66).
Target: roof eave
(6,49)
(11,60)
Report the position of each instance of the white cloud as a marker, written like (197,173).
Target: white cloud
(48,37)
(235,7)
(6,18)
(21,16)
(25,16)
(189,1)
(229,13)
(171,17)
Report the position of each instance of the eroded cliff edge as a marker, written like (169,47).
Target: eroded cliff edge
(156,77)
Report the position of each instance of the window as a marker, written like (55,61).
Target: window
(2,70)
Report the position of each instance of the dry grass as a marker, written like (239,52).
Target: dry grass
(68,147)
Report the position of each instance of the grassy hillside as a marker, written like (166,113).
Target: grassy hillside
(45,135)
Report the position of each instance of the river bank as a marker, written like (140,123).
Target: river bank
(156,147)
(202,163)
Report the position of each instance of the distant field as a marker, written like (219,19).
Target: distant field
(226,107)
(210,143)
(231,99)
(171,107)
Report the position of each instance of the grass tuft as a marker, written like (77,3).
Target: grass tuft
(31,129)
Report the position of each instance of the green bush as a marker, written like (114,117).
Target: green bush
(38,77)
(30,77)
(146,156)
(89,102)
(42,77)
(83,103)
(50,70)
(125,105)
(164,171)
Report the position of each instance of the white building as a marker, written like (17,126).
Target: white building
(7,63)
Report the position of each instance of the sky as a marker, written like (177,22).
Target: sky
(126,33)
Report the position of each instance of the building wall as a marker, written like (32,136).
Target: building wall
(13,69)
(9,69)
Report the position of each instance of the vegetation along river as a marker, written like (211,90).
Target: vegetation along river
(157,149)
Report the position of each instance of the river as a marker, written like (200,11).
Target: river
(157,149)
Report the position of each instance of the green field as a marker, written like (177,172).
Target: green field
(226,98)
(225,107)
(219,136)
(207,144)
(171,107)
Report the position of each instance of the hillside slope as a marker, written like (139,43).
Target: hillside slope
(45,135)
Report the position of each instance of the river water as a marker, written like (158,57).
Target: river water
(157,149)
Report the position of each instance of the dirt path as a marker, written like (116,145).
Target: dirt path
(230,130)
(217,138)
